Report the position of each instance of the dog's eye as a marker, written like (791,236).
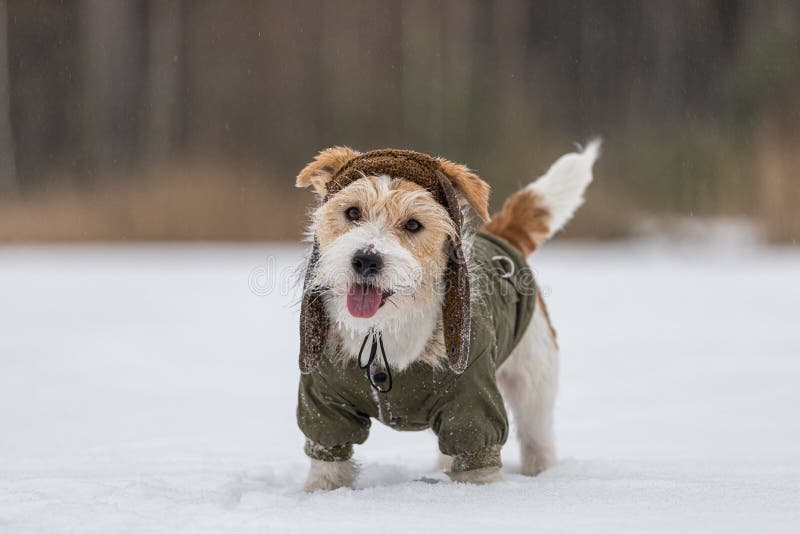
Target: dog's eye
(413,226)
(353,214)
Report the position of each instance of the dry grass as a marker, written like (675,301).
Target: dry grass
(198,200)
(194,202)
(212,202)
(779,187)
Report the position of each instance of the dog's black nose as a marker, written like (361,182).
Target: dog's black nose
(367,263)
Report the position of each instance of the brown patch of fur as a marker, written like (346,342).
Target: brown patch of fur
(523,221)
(325,164)
(543,307)
(469,184)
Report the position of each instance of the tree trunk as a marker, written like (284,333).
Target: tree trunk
(163,78)
(422,73)
(112,81)
(8,169)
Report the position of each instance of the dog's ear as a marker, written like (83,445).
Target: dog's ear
(468,185)
(321,170)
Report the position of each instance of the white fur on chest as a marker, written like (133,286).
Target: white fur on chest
(404,342)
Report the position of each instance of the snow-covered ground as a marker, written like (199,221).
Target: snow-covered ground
(152,389)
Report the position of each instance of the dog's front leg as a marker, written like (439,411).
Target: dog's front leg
(326,476)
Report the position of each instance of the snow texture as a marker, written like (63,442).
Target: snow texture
(152,389)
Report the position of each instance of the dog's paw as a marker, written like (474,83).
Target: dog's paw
(443,463)
(535,460)
(327,476)
(484,475)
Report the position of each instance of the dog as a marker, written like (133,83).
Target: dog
(419,310)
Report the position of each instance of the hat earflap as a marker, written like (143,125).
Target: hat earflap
(313,319)
(456,316)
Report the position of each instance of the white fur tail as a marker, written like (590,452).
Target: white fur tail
(563,185)
(534,214)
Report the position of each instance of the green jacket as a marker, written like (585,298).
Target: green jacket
(336,402)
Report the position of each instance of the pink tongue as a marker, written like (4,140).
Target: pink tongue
(363,300)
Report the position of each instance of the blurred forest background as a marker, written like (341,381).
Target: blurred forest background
(188,119)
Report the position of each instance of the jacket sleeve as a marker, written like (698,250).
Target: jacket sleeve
(331,424)
(471,421)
